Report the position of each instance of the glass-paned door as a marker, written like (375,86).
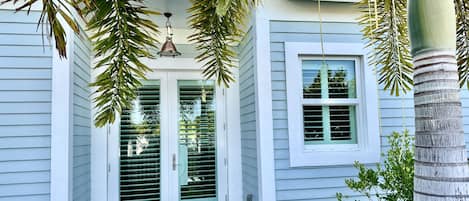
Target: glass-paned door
(197,141)
(140,141)
(169,142)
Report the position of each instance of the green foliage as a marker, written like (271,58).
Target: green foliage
(462,40)
(218,25)
(392,180)
(123,35)
(385,29)
(51,10)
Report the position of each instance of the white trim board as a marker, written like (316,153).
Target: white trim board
(61,187)
(99,151)
(233,140)
(368,149)
(301,10)
(263,88)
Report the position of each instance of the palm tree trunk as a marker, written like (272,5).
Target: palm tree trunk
(441,169)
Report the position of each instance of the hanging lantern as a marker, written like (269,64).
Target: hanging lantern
(169,48)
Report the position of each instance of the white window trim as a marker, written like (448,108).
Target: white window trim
(368,148)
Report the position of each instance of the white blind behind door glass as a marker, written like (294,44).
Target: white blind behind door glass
(197,131)
(140,146)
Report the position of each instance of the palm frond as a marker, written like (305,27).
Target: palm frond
(462,41)
(123,35)
(385,29)
(51,10)
(217,24)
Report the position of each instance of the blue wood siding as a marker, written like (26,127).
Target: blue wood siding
(81,119)
(247,65)
(25,108)
(465,113)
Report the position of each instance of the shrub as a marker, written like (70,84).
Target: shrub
(393,179)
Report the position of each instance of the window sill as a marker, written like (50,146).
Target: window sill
(331,147)
(331,158)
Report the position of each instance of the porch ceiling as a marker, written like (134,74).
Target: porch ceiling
(177,7)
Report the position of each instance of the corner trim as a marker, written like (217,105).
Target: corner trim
(61,180)
(263,86)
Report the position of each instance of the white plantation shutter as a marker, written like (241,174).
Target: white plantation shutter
(342,123)
(197,137)
(325,82)
(140,147)
(313,124)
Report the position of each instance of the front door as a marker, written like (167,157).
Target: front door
(170,142)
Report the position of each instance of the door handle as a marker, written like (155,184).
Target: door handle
(174,162)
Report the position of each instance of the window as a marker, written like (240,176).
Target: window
(332,105)
(329,101)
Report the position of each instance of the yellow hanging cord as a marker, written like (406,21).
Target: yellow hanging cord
(321,33)
(375,67)
(376,13)
(394,27)
(370,24)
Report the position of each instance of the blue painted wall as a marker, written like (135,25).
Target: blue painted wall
(81,119)
(249,158)
(25,108)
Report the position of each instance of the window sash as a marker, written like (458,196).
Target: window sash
(323,72)
(327,127)
(325,102)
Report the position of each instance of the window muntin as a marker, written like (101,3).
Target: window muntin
(329,101)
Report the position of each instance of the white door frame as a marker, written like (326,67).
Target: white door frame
(169,185)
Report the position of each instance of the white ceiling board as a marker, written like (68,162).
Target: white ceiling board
(177,7)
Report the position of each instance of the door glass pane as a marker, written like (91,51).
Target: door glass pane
(140,146)
(197,141)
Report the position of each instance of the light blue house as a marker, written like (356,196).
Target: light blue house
(287,130)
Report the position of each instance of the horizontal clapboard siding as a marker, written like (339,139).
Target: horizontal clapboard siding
(248,115)
(25,108)
(81,119)
(309,183)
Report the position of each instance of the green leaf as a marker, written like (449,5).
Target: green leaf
(462,41)
(384,27)
(120,53)
(222,7)
(217,24)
